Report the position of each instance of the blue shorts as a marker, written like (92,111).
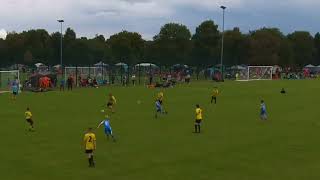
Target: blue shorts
(159,108)
(263,116)
(108,131)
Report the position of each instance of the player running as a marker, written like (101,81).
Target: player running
(107,128)
(263,111)
(89,142)
(111,103)
(214,96)
(159,109)
(198,122)
(160,97)
(28,116)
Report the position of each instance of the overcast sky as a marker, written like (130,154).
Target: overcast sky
(90,17)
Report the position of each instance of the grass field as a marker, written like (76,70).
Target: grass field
(234,143)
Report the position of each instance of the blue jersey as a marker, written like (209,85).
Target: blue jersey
(15,88)
(158,105)
(263,109)
(106,124)
(107,127)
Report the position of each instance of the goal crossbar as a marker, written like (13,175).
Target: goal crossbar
(262,73)
(15,75)
(91,71)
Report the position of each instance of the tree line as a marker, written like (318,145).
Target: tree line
(174,44)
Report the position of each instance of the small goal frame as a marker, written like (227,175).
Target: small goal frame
(11,71)
(267,69)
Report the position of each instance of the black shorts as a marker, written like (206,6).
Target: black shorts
(110,104)
(89,151)
(198,121)
(29,120)
(15,93)
(160,101)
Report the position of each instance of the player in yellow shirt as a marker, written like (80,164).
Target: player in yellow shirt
(28,116)
(89,142)
(198,119)
(160,97)
(111,102)
(214,96)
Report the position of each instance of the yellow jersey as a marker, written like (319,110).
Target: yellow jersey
(90,141)
(113,100)
(215,92)
(28,114)
(199,114)
(160,96)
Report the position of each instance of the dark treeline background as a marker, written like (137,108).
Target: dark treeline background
(173,44)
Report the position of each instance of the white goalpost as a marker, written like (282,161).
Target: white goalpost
(99,73)
(255,73)
(7,79)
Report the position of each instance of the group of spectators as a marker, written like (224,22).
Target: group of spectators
(82,82)
(150,79)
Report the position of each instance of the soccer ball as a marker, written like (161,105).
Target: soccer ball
(102,110)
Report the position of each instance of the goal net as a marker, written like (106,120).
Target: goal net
(253,73)
(81,73)
(8,79)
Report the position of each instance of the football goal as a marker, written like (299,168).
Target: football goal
(7,79)
(98,73)
(254,73)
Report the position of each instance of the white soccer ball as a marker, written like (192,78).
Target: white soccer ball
(102,110)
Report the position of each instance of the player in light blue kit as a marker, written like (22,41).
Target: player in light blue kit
(107,128)
(158,108)
(15,90)
(263,111)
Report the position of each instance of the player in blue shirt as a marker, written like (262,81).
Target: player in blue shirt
(159,109)
(15,90)
(107,128)
(62,84)
(263,111)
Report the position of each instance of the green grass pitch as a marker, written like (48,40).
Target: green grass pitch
(234,143)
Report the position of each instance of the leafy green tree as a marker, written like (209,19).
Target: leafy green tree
(286,53)
(97,47)
(28,58)
(172,45)
(77,53)
(234,47)
(3,53)
(264,46)
(55,39)
(16,47)
(317,48)
(206,44)
(39,45)
(303,47)
(127,47)
(69,36)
